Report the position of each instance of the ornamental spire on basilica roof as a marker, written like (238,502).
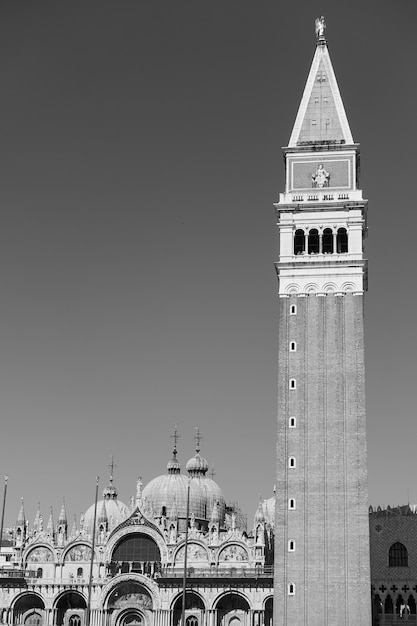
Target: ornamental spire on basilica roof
(50,525)
(21,518)
(321,117)
(38,521)
(62,519)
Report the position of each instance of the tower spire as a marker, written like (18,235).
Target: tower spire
(321,116)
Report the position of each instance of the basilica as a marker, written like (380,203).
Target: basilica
(137,573)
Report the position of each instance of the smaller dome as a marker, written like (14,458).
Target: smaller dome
(174,466)
(197,465)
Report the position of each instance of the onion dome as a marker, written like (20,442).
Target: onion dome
(115,510)
(160,493)
(197,466)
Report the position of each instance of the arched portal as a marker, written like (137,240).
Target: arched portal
(194,609)
(268,612)
(232,610)
(130,617)
(29,610)
(69,601)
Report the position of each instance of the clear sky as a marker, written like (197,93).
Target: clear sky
(140,156)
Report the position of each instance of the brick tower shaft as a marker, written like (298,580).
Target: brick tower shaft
(322,574)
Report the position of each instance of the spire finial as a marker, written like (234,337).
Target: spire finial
(112,467)
(320,28)
(197,438)
(212,471)
(175,436)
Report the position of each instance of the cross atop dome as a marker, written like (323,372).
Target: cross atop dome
(197,438)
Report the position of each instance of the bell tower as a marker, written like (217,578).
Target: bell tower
(322,571)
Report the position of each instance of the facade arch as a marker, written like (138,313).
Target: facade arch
(142,581)
(196,551)
(79,551)
(39,553)
(67,603)
(329,287)
(232,609)
(234,552)
(224,594)
(191,598)
(143,530)
(28,608)
(311,288)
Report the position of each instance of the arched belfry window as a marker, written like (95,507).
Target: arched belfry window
(299,241)
(342,241)
(327,241)
(313,241)
(398,555)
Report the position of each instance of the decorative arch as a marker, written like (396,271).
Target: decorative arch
(79,552)
(293,288)
(196,551)
(348,287)
(130,617)
(311,288)
(132,530)
(147,583)
(40,553)
(233,552)
(329,287)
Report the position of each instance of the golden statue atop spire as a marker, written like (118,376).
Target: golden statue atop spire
(320,28)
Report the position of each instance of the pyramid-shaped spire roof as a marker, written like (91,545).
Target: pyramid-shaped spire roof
(321,117)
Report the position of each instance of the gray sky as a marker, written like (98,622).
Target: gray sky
(140,156)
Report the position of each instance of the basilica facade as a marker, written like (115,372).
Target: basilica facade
(137,571)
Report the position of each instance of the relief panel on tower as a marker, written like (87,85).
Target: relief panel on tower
(307,174)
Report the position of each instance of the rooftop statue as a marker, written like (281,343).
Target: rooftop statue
(320,27)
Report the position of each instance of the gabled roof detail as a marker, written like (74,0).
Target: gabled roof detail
(321,116)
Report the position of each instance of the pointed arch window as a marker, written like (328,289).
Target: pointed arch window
(313,241)
(327,241)
(342,241)
(398,555)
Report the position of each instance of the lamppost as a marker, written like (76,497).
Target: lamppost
(90,581)
(184,578)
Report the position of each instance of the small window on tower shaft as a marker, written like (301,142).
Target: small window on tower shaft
(293,422)
(291,589)
(291,545)
(293,346)
(293,309)
(293,383)
(291,504)
(292,462)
